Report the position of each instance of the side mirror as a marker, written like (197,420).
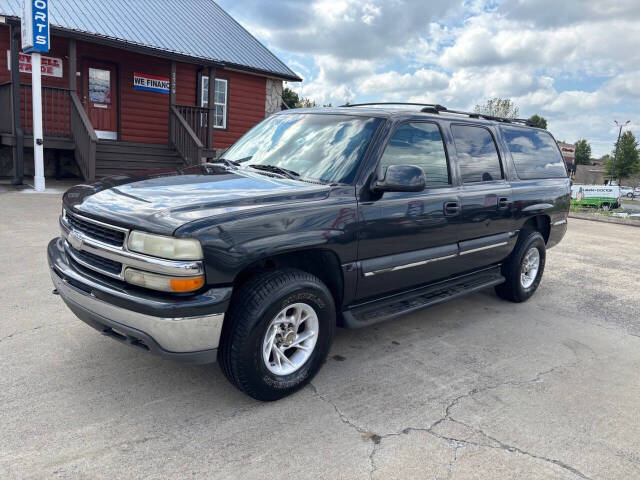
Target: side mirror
(401,178)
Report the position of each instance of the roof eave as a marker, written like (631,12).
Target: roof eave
(157,52)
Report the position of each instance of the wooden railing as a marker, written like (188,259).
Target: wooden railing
(55,111)
(6,125)
(185,140)
(84,136)
(196,118)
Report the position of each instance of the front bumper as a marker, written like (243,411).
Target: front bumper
(186,329)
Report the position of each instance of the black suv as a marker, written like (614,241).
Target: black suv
(316,218)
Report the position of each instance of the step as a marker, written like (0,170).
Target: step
(135,158)
(403,303)
(123,148)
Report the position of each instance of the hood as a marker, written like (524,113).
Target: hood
(162,202)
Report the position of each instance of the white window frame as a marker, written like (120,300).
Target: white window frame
(204,99)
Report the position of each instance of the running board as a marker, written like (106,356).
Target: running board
(404,303)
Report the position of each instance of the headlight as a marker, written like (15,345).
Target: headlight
(165,247)
(162,282)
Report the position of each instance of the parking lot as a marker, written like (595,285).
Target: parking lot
(476,388)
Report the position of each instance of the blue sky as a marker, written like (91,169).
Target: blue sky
(577,63)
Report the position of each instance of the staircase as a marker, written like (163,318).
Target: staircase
(117,158)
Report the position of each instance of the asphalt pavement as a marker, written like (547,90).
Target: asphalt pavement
(474,389)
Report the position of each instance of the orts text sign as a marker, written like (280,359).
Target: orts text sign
(35,26)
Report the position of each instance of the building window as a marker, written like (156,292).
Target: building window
(220,97)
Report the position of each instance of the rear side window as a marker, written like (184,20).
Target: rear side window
(534,153)
(477,154)
(418,144)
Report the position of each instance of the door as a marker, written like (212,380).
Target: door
(486,220)
(101,98)
(409,238)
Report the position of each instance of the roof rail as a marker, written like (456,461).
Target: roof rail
(524,121)
(437,108)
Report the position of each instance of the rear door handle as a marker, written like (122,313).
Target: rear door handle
(451,209)
(503,203)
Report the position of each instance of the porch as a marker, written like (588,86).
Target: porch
(67,126)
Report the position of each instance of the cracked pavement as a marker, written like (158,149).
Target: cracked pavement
(473,389)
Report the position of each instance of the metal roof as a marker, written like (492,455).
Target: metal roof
(199,29)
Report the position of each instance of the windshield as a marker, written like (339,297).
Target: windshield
(322,147)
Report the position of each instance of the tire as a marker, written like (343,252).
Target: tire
(629,195)
(516,289)
(256,315)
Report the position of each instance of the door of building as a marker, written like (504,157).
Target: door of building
(101,98)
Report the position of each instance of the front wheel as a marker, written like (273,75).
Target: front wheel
(277,334)
(523,270)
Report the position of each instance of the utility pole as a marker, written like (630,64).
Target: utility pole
(615,155)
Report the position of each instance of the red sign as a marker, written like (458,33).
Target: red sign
(50,66)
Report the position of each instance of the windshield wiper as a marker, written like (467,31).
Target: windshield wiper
(279,170)
(228,163)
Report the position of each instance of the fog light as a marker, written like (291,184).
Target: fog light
(162,282)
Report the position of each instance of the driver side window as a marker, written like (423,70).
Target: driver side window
(419,144)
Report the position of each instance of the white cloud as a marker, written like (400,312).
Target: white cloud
(577,62)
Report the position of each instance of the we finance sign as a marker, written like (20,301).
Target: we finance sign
(151,83)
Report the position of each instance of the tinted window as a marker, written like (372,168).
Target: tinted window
(328,148)
(477,154)
(418,144)
(535,153)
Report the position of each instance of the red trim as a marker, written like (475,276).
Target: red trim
(153,77)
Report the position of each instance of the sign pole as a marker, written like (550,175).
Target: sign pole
(35,40)
(38,143)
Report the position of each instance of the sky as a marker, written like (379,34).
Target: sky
(577,63)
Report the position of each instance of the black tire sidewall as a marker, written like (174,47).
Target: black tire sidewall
(254,370)
(533,239)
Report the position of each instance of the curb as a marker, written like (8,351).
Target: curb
(619,221)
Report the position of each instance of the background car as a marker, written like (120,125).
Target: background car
(626,192)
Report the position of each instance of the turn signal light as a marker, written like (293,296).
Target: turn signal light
(163,283)
(186,284)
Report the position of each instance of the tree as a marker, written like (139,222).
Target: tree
(498,107)
(306,103)
(538,121)
(626,159)
(290,98)
(293,100)
(583,152)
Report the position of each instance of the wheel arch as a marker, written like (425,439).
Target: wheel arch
(541,223)
(324,263)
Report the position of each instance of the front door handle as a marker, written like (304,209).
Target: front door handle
(451,209)
(503,203)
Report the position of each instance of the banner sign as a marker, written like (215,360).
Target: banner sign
(35,26)
(151,83)
(50,66)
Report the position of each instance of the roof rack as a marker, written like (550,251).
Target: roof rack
(437,108)
(430,106)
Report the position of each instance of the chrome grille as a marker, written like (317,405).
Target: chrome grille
(95,230)
(96,262)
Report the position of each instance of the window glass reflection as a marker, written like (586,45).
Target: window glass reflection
(317,146)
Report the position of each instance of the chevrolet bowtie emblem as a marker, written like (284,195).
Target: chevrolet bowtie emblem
(75,240)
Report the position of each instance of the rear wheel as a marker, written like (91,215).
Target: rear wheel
(277,334)
(523,271)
